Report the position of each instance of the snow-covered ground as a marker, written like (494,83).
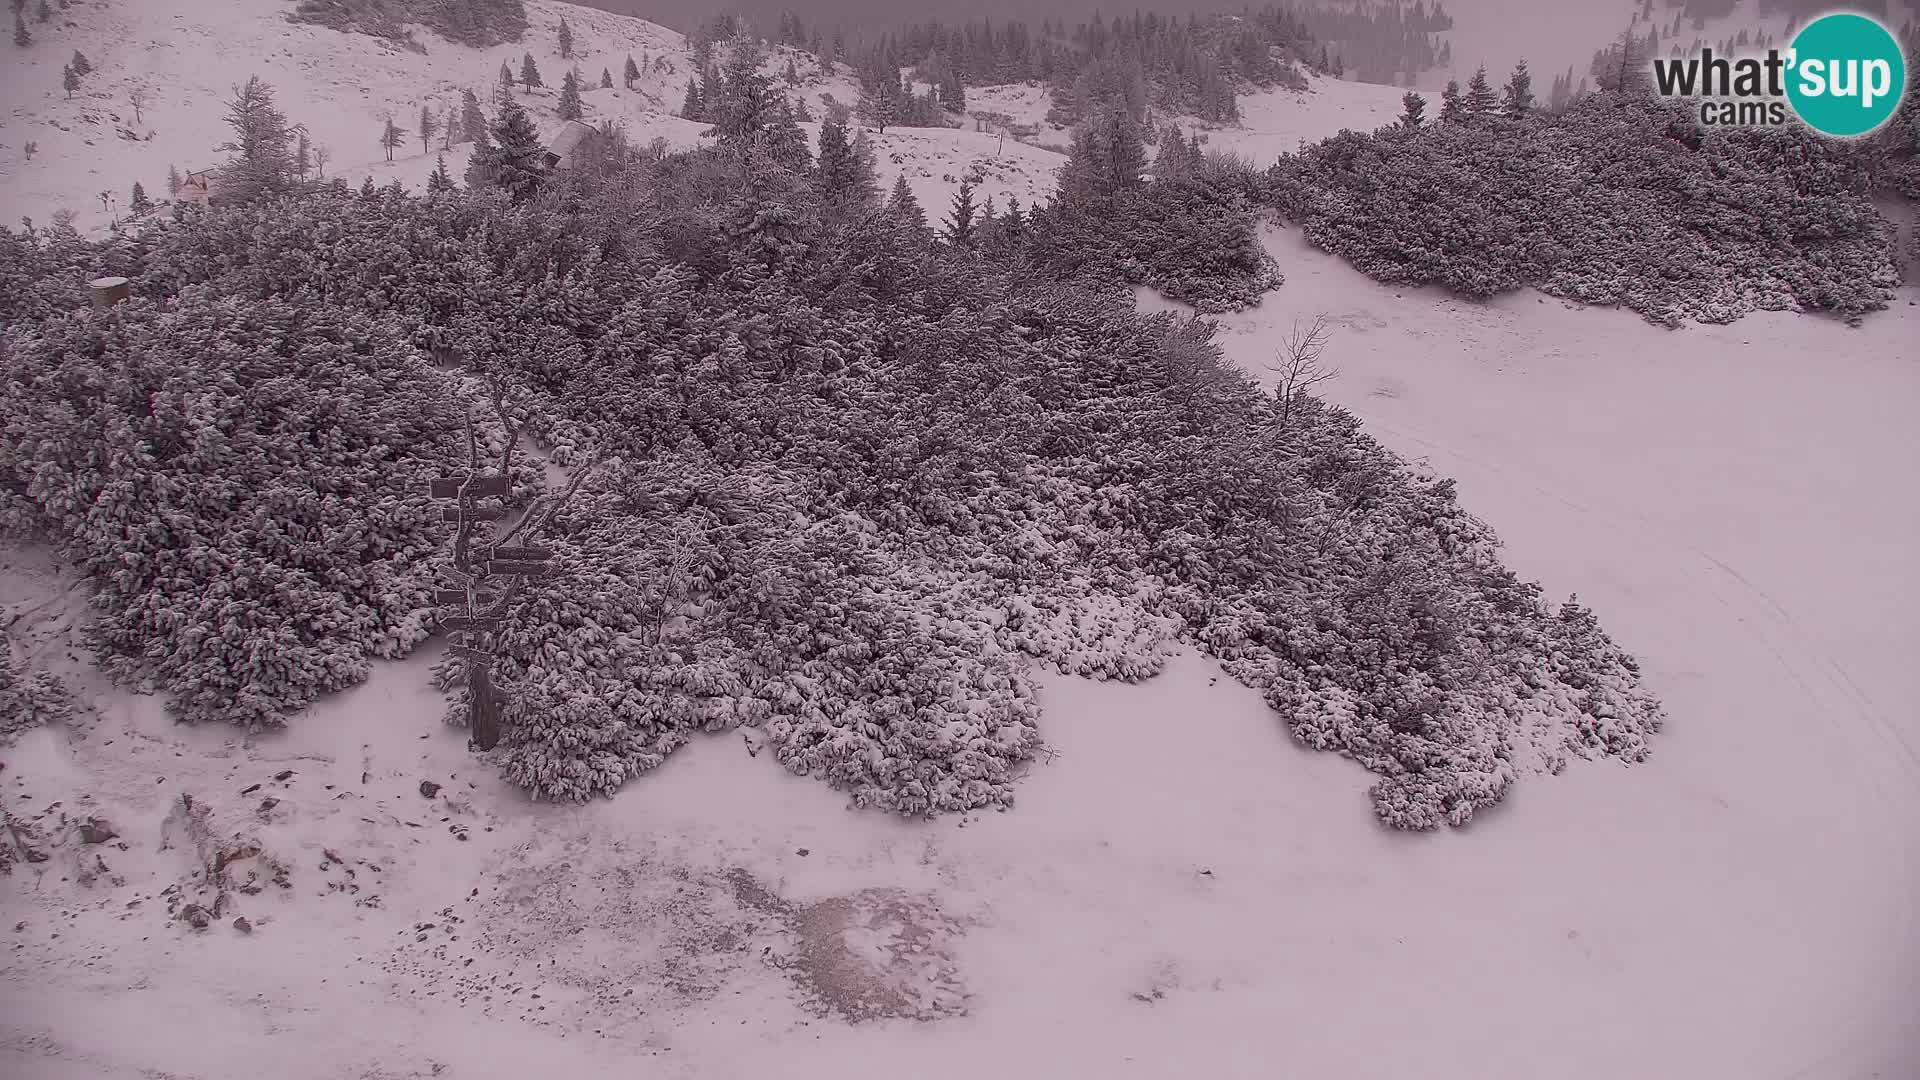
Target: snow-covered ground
(342,86)
(1277,121)
(1181,889)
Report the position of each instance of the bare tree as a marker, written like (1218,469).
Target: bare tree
(138,97)
(1298,364)
(320,156)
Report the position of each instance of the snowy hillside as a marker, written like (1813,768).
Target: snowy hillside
(179,53)
(723,918)
(188,55)
(1180,887)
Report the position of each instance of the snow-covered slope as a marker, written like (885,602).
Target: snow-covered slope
(189,54)
(1180,891)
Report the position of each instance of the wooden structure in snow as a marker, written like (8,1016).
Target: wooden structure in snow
(566,142)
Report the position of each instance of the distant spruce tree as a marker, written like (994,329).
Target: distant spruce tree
(786,142)
(530,73)
(261,149)
(392,136)
(712,93)
(81,65)
(606,79)
(1413,109)
(1013,225)
(903,207)
(631,74)
(863,177)
(473,122)
(429,127)
(302,153)
(139,204)
(570,106)
(832,171)
(367,191)
(506,76)
(1453,107)
(692,108)
(1088,172)
(746,107)
(515,163)
(440,181)
(1518,99)
(960,220)
(565,40)
(1481,100)
(70,79)
(20,35)
(1126,150)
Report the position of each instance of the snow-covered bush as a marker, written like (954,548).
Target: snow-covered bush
(29,696)
(1193,241)
(243,484)
(1616,201)
(855,483)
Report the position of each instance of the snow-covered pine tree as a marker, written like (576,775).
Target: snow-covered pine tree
(960,220)
(1126,149)
(261,165)
(69,79)
(746,107)
(139,203)
(392,136)
(1013,224)
(863,177)
(1481,100)
(631,73)
(1413,109)
(506,76)
(440,180)
(787,143)
(1453,107)
(530,73)
(606,79)
(1088,172)
(473,122)
(570,106)
(515,162)
(903,207)
(173,181)
(20,35)
(81,65)
(564,39)
(691,107)
(1518,99)
(429,127)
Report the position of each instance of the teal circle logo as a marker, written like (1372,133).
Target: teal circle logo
(1846,74)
